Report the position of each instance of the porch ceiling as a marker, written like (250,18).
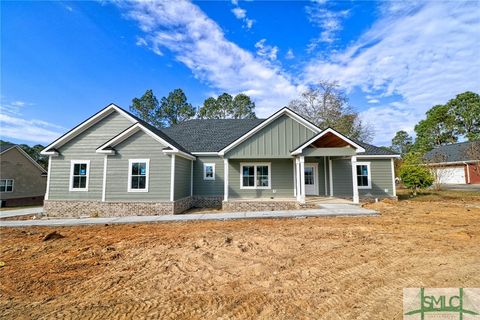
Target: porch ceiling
(329,140)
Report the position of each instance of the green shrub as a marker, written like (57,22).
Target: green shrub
(414,174)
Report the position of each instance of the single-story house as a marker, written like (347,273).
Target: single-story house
(114,163)
(457,163)
(22,179)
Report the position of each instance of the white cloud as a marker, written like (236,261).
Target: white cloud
(141,42)
(373,101)
(422,56)
(266,51)
(289,55)
(239,12)
(13,125)
(199,43)
(329,21)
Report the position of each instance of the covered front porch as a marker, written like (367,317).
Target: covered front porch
(326,165)
(322,170)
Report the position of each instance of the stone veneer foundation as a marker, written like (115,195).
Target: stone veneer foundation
(75,208)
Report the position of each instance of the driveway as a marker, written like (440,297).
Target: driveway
(7,213)
(462,187)
(325,211)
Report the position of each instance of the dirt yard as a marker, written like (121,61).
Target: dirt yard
(317,268)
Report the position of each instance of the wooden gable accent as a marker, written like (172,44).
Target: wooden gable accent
(330,140)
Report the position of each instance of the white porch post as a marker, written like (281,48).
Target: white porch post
(225,180)
(302,178)
(330,176)
(297,171)
(354,180)
(294,178)
(325,174)
(172,179)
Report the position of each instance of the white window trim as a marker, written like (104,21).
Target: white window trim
(13,185)
(72,164)
(369,186)
(205,165)
(147,174)
(255,164)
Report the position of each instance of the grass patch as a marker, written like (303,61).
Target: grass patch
(432,195)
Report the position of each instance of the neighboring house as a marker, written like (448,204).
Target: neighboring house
(22,179)
(457,163)
(116,164)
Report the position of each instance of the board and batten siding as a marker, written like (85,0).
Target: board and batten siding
(82,147)
(183,170)
(138,146)
(276,140)
(381,174)
(281,177)
(208,187)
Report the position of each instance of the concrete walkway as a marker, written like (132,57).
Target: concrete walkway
(20,212)
(325,211)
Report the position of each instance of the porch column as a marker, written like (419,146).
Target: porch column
(354,180)
(297,180)
(294,178)
(302,178)
(225,179)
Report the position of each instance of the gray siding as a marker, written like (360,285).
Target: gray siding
(83,147)
(342,178)
(208,187)
(381,174)
(138,146)
(28,179)
(281,177)
(182,177)
(276,140)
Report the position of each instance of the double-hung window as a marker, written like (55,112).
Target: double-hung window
(138,175)
(363,175)
(209,171)
(255,176)
(6,185)
(79,171)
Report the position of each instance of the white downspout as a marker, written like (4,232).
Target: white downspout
(225,179)
(48,177)
(172,179)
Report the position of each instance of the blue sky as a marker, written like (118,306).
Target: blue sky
(63,61)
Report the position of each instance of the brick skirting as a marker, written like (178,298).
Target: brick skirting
(74,208)
(256,205)
(207,201)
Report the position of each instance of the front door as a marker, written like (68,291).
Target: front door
(311,179)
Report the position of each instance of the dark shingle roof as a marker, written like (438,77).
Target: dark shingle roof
(463,151)
(210,135)
(374,151)
(5,146)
